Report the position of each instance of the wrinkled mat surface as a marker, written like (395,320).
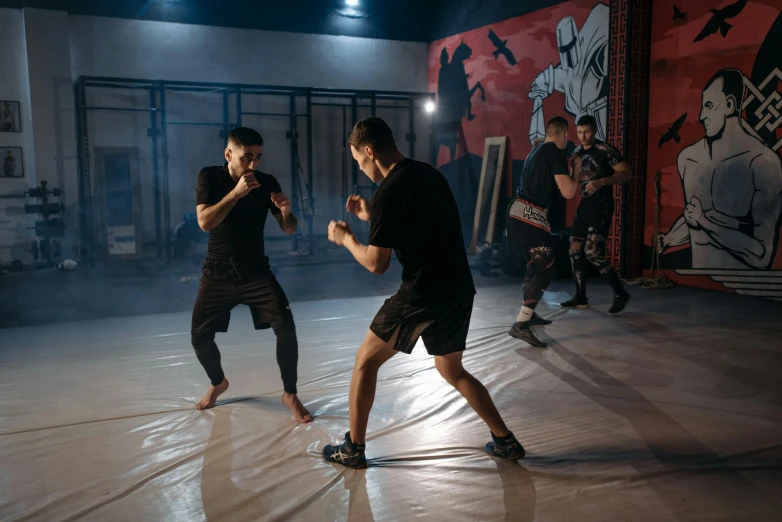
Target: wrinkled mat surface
(666,412)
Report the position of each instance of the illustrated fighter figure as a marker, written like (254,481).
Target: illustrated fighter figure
(582,75)
(732,185)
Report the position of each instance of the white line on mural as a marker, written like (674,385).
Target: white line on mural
(745,282)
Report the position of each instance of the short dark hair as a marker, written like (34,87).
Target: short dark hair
(556,125)
(373,132)
(587,120)
(245,137)
(732,85)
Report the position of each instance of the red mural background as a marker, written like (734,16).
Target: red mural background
(689,45)
(507,109)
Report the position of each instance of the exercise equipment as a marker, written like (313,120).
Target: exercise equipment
(45,249)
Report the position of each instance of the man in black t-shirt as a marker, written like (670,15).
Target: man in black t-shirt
(232,202)
(545,171)
(413,213)
(598,166)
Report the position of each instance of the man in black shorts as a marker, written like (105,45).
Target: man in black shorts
(598,166)
(545,171)
(414,213)
(232,202)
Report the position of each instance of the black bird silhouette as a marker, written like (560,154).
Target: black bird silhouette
(718,21)
(502,48)
(677,13)
(673,132)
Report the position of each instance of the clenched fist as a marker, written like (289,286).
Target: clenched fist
(281,201)
(658,242)
(359,206)
(339,231)
(246,183)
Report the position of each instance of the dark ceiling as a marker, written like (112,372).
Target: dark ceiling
(411,20)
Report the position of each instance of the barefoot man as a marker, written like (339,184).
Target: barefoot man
(414,213)
(232,202)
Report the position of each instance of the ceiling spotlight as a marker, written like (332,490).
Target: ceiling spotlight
(429,106)
(352,3)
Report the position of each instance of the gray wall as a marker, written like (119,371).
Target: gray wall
(51,93)
(171,51)
(60,48)
(15,235)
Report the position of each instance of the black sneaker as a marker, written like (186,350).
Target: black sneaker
(523,332)
(576,302)
(506,447)
(538,320)
(347,454)
(620,301)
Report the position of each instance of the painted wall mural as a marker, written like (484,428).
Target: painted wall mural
(508,79)
(581,75)
(716,138)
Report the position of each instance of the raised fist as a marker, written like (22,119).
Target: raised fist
(359,206)
(338,232)
(246,183)
(281,201)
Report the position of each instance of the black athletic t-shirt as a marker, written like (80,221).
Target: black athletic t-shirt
(240,235)
(537,177)
(597,162)
(414,212)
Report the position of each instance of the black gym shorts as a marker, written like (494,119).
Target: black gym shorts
(443,327)
(592,218)
(225,284)
(527,225)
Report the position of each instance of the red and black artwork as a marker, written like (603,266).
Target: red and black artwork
(715,133)
(508,79)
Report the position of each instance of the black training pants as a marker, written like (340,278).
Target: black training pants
(225,284)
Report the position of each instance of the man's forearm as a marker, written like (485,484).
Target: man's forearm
(359,252)
(575,184)
(715,218)
(679,234)
(616,178)
(739,244)
(288,222)
(724,230)
(212,216)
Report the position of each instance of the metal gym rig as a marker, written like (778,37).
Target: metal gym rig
(302,198)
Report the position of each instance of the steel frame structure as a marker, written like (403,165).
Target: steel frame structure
(159,128)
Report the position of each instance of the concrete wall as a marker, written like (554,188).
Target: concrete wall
(171,51)
(51,93)
(158,50)
(53,116)
(15,86)
(60,48)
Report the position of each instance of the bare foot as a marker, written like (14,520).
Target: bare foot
(293,403)
(209,400)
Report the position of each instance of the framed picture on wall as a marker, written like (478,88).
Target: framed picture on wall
(11,161)
(10,116)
